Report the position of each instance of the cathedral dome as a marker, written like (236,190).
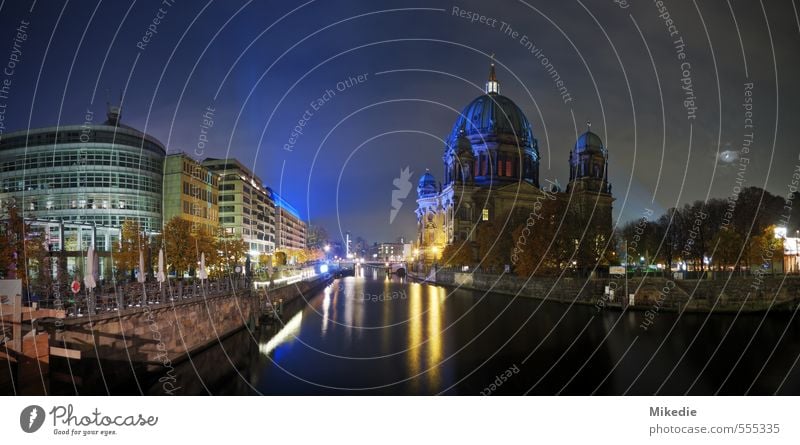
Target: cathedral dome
(427,185)
(589,142)
(492,115)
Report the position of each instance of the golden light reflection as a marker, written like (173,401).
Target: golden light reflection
(414,329)
(434,349)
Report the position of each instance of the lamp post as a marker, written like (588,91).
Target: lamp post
(796,251)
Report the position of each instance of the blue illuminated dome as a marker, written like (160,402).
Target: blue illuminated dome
(589,142)
(492,115)
(427,185)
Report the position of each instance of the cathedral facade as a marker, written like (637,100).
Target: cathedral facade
(491,167)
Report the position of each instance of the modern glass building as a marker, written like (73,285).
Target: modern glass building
(99,174)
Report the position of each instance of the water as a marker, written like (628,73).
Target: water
(371,335)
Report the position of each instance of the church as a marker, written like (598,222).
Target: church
(491,167)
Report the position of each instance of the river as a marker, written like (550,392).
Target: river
(377,335)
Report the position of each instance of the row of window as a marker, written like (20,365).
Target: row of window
(113,138)
(142,203)
(65,157)
(190,208)
(199,193)
(505,166)
(48,181)
(200,173)
(148,224)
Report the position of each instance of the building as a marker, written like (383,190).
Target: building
(491,168)
(99,174)
(290,229)
(246,207)
(398,251)
(79,183)
(190,192)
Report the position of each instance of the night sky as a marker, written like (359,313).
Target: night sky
(260,65)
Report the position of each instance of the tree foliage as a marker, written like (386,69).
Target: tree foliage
(457,255)
(733,232)
(22,250)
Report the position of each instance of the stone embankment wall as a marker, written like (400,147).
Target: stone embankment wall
(170,330)
(718,295)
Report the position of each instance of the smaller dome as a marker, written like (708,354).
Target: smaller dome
(427,185)
(589,142)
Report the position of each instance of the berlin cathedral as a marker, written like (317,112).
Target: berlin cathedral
(491,167)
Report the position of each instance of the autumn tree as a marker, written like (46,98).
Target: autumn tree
(231,252)
(131,242)
(22,250)
(728,244)
(544,241)
(180,251)
(765,249)
(457,254)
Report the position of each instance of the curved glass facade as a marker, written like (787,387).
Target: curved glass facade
(101,174)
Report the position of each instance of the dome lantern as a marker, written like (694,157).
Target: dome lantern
(492,85)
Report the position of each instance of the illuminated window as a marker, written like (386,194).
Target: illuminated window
(485,215)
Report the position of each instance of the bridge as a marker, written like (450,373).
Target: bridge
(399,268)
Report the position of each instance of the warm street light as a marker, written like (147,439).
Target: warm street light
(327,248)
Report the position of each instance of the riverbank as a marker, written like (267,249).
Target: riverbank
(734,295)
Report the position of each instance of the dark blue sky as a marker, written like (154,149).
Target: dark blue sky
(260,65)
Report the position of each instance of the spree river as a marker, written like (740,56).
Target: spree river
(377,335)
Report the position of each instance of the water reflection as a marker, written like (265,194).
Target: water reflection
(434,356)
(428,340)
(287,334)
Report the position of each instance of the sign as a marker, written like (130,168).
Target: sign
(76,287)
(616,270)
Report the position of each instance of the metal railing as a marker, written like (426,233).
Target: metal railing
(110,298)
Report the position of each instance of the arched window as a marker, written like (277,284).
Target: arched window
(509,167)
(499,166)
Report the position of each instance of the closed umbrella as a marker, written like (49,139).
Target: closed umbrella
(88,276)
(142,277)
(161,276)
(202,272)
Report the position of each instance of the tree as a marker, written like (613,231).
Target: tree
(280,258)
(728,244)
(22,249)
(457,254)
(765,248)
(316,236)
(541,242)
(180,251)
(230,252)
(131,242)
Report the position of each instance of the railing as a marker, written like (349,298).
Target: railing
(107,299)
